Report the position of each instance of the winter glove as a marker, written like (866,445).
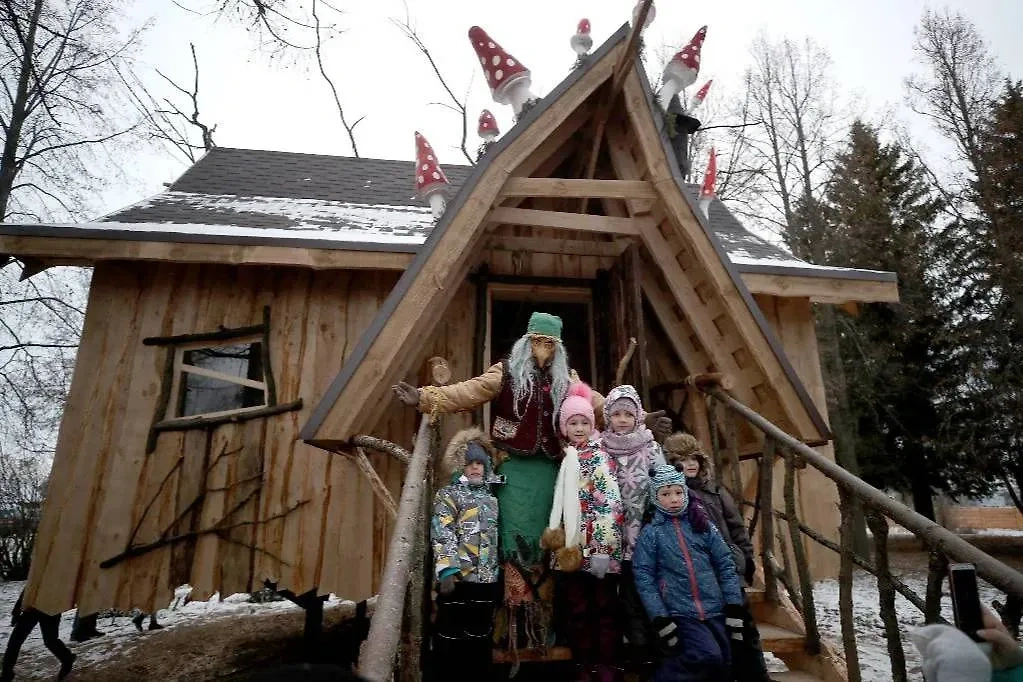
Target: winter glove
(949,655)
(667,635)
(447,584)
(1006,654)
(599,563)
(750,570)
(407,393)
(735,617)
(658,424)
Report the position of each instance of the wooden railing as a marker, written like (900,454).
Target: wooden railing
(878,507)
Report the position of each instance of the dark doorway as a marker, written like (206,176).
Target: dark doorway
(508,320)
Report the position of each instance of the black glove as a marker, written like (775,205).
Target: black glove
(667,635)
(447,584)
(735,617)
(751,569)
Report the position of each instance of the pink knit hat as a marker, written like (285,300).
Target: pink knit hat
(578,402)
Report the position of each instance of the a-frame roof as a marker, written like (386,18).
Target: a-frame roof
(388,347)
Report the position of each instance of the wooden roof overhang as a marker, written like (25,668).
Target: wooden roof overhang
(72,245)
(698,294)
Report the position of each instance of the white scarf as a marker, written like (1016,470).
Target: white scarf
(566,509)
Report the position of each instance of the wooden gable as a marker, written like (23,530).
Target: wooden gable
(600,124)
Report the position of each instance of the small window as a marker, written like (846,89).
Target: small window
(217,379)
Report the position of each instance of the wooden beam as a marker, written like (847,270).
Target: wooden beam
(822,289)
(578,188)
(574,247)
(692,358)
(568,221)
(80,251)
(688,228)
(622,68)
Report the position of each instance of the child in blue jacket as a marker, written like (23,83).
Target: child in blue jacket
(687,582)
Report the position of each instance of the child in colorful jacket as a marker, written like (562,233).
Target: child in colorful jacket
(465,550)
(585,530)
(635,452)
(687,581)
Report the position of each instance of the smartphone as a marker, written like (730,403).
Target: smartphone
(962,579)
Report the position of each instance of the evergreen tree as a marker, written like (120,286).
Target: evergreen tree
(880,212)
(992,396)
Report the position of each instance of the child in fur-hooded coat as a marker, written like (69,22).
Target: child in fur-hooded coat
(464,531)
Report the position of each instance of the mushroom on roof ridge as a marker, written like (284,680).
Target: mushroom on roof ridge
(509,80)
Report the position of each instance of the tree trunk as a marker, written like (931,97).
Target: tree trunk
(9,167)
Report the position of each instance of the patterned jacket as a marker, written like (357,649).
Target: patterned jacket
(600,502)
(680,572)
(464,531)
(633,473)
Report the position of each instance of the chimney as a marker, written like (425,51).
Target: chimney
(680,126)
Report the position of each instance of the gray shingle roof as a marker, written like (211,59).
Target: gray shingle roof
(365,200)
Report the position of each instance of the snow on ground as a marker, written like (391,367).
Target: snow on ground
(119,631)
(871,643)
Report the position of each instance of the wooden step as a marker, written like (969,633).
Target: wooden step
(778,640)
(554,653)
(795,676)
(755,595)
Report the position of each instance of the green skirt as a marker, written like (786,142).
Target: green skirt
(525,506)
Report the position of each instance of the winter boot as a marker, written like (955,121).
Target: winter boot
(137,620)
(65,666)
(153,624)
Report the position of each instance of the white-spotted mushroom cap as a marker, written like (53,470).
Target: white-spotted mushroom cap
(710,178)
(649,15)
(685,65)
(581,41)
(430,179)
(501,69)
(488,129)
(700,95)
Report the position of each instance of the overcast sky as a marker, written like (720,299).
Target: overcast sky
(261,104)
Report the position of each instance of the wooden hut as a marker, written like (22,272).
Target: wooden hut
(246,323)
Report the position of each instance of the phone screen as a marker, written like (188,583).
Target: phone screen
(965,599)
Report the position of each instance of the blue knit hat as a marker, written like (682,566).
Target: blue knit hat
(666,475)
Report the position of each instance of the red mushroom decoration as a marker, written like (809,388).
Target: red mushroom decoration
(683,68)
(488,129)
(651,13)
(509,80)
(581,41)
(710,179)
(700,95)
(430,179)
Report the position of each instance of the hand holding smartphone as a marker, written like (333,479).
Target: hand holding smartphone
(962,580)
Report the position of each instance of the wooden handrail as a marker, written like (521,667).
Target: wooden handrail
(990,569)
(377,660)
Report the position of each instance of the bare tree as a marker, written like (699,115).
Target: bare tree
(456,105)
(168,122)
(56,108)
(959,82)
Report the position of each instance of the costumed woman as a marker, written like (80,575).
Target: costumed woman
(525,391)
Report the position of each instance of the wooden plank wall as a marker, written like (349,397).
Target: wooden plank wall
(104,486)
(817,497)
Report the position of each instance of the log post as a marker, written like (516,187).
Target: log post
(733,449)
(845,578)
(813,637)
(878,525)
(715,438)
(937,566)
(385,628)
(765,487)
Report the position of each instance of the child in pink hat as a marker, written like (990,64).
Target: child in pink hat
(585,531)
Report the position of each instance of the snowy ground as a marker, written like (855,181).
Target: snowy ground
(120,634)
(871,643)
(122,643)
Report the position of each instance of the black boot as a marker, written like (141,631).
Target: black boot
(65,666)
(137,620)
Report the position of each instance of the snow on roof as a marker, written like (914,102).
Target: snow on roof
(320,201)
